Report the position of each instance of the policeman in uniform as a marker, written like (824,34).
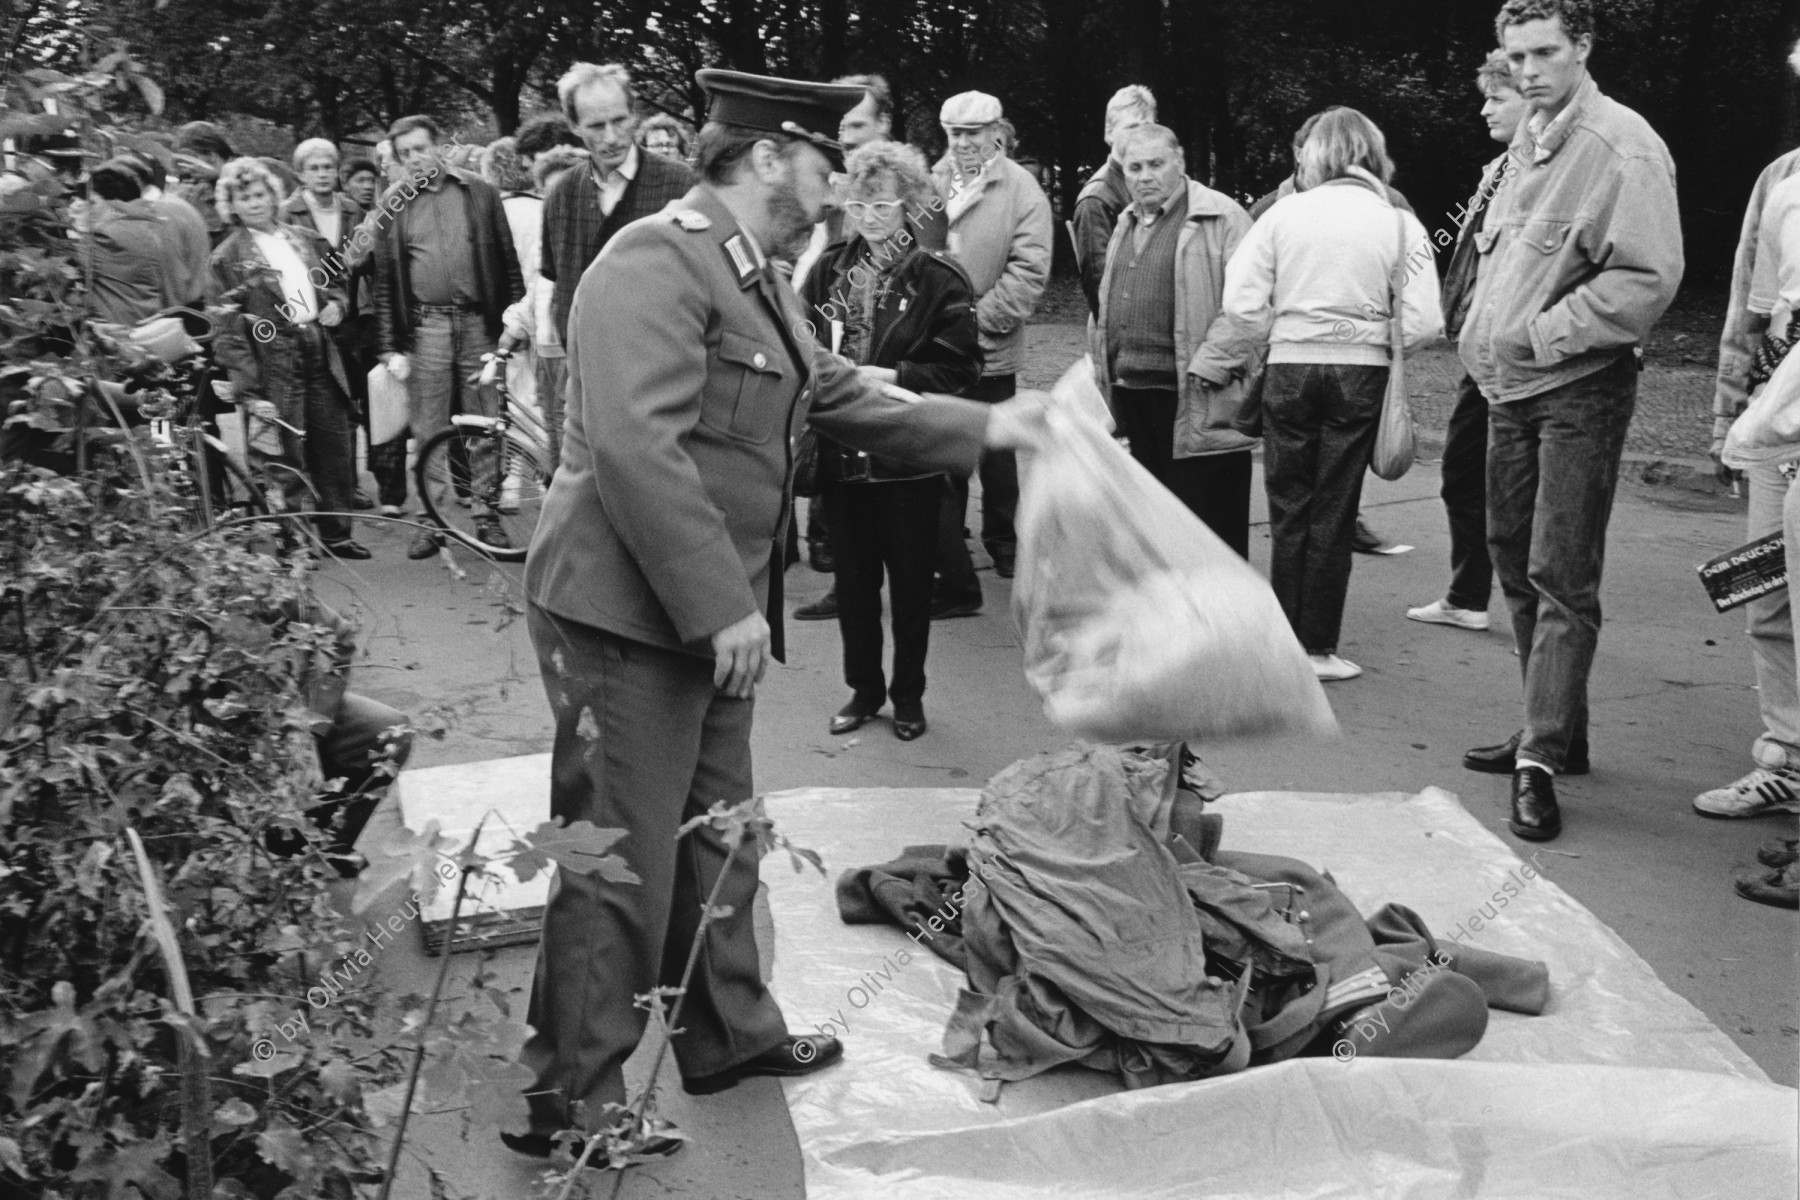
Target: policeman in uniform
(655,575)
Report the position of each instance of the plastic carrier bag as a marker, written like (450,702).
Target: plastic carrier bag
(1138,622)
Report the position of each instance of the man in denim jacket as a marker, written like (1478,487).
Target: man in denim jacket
(1581,254)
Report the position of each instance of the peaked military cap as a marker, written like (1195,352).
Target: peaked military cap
(809,111)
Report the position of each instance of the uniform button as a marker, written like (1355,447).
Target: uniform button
(760,361)
(1304,915)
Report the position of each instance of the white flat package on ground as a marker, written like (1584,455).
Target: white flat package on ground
(1620,1089)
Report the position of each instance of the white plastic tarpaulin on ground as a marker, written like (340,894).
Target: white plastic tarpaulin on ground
(1622,1088)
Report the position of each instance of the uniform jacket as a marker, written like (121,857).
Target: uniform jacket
(1580,255)
(1737,349)
(497,279)
(254,344)
(691,374)
(1210,234)
(1097,212)
(924,329)
(1002,239)
(357,274)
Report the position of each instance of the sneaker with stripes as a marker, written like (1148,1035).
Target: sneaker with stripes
(1761,791)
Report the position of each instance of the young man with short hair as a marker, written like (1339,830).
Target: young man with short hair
(1580,255)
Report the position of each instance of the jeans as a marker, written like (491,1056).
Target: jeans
(1215,487)
(1553,466)
(552,375)
(1772,632)
(999,503)
(446,351)
(875,527)
(1465,500)
(1318,429)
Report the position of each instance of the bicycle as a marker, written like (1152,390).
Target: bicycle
(471,502)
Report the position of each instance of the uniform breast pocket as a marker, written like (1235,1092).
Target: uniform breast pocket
(747,394)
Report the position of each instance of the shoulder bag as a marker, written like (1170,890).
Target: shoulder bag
(1394,442)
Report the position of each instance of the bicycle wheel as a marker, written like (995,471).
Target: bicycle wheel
(485,487)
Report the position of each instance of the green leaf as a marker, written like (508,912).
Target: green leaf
(406,857)
(341,1082)
(235,1113)
(125,1168)
(580,847)
(282,1147)
(11,1160)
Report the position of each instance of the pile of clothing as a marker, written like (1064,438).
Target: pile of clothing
(1099,922)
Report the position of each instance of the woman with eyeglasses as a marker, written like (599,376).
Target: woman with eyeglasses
(906,316)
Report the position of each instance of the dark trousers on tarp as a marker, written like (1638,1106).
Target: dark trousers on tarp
(886,527)
(352,749)
(1215,487)
(1318,429)
(1465,500)
(1553,467)
(643,742)
(999,503)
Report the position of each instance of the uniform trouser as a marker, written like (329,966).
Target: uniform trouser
(552,374)
(1553,467)
(447,349)
(1464,491)
(1318,428)
(1772,630)
(643,742)
(891,526)
(1215,487)
(999,502)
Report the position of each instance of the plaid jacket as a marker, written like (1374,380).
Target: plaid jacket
(575,232)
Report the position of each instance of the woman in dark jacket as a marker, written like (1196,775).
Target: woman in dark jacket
(281,367)
(907,315)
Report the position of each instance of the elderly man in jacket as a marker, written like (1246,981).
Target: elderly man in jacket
(1581,253)
(1106,195)
(1159,296)
(1000,233)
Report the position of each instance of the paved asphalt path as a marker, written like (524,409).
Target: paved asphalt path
(1673,704)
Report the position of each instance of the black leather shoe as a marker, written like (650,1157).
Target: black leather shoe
(424,546)
(347,549)
(1500,760)
(1779,852)
(1003,565)
(909,722)
(489,532)
(854,716)
(825,608)
(1535,816)
(800,1055)
(819,557)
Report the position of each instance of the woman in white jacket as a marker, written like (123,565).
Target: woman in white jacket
(1312,279)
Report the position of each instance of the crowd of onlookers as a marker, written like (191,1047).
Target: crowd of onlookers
(1213,329)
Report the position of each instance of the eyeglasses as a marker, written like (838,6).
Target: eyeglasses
(862,208)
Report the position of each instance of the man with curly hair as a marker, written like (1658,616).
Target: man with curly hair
(1580,255)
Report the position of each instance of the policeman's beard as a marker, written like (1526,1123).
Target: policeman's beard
(789,220)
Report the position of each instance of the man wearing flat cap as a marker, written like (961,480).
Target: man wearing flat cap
(1000,233)
(654,588)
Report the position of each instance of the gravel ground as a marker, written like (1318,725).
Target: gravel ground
(1674,411)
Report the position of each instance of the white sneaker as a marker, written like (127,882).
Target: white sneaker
(1330,668)
(1440,613)
(390,510)
(1761,791)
